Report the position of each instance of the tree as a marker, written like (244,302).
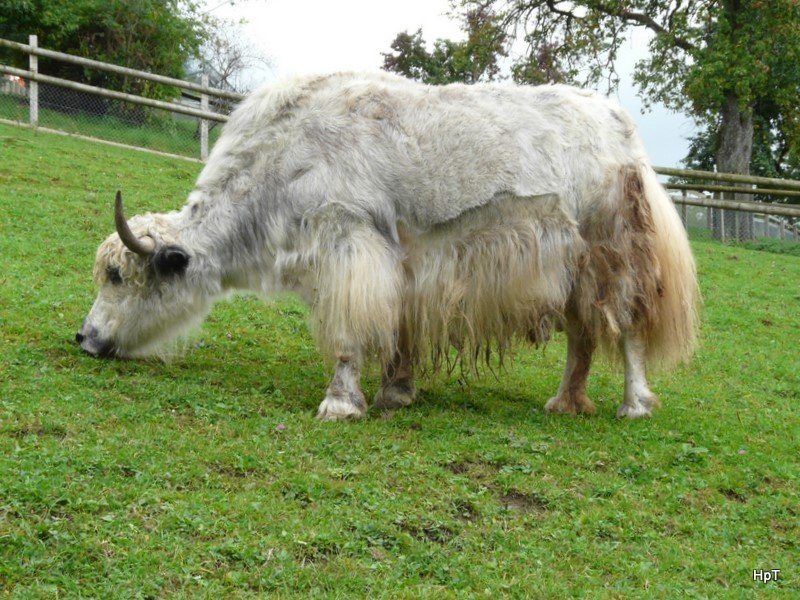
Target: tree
(475,59)
(225,56)
(720,60)
(153,35)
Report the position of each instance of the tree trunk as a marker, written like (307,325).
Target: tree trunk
(734,150)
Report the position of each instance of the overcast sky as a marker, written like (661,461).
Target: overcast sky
(320,36)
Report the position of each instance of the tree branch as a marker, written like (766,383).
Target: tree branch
(646,21)
(639,18)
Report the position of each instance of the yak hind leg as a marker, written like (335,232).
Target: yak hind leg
(397,382)
(571,397)
(344,399)
(638,400)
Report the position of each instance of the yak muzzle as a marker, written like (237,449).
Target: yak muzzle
(91,343)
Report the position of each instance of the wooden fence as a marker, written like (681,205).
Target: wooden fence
(785,217)
(778,219)
(33,76)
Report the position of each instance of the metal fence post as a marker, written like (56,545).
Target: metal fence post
(33,86)
(203,122)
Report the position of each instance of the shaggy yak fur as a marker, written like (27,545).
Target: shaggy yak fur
(430,226)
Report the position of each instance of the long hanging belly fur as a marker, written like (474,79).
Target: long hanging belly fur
(495,274)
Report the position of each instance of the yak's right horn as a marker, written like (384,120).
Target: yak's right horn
(134,244)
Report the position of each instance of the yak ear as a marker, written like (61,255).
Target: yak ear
(170,260)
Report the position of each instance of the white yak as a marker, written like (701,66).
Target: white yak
(423,224)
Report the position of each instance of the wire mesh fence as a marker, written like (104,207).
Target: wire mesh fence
(14,98)
(119,121)
(739,226)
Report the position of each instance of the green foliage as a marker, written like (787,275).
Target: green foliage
(126,479)
(475,59)
(701,51)
(540,66)
(751,49)
(153,35)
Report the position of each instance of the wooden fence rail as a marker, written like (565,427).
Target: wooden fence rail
(699,187)
(33,49)
(728,177)
(761,208)
(90,89)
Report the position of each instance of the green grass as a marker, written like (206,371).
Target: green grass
(165,134)
(142,479)
(777,246)
(773,245)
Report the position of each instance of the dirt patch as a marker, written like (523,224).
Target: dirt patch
(234,471)
(515,501)
(458,468)
(39,430)
(733,495)
(464,510)
(316,551)
(477,471)
(437,533)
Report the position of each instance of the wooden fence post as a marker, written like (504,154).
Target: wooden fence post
(683,210)
(203,122)
(33,87)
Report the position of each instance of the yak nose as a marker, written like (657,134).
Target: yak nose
(91,343)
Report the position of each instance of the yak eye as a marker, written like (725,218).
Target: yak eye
(113,275)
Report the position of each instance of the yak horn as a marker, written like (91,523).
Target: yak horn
(133,243)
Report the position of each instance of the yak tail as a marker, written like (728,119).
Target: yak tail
(670,330)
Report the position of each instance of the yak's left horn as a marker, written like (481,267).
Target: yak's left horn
(133,243)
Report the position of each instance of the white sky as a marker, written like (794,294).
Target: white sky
(319,36)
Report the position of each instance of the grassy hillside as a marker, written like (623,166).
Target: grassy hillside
(209,476)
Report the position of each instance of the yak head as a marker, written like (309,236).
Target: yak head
(148,290)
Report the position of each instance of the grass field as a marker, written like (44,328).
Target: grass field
(209,477)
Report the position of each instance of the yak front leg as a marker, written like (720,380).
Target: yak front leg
(638,401)
(357,281)
(397,382)
(571,397)
(344,399)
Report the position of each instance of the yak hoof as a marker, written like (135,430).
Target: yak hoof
(638,407)
(394,396)
(334,408)
(570,405)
